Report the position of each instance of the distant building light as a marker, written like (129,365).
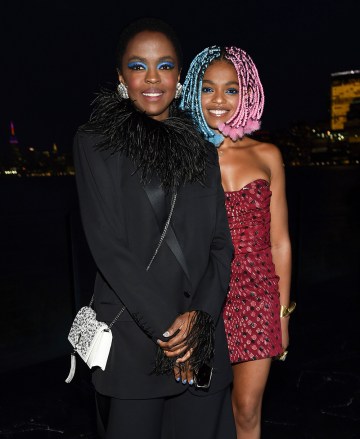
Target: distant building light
(347,72)
(345,89)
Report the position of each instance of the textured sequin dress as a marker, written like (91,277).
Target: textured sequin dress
(252,308)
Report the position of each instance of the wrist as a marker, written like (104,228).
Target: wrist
(285,311)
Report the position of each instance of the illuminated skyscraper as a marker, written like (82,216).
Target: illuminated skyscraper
(13,140)
(15,155)
(345,91)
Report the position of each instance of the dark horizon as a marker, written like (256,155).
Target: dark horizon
(57,56)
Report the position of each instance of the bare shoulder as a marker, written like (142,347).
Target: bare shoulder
(269,154)
(271,151)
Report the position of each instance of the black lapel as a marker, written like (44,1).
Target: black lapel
(157,199)
(174,245)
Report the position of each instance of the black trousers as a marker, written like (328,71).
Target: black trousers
(184,416)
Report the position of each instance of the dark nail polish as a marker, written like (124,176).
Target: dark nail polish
(184,381)
(178,379)
(191,382)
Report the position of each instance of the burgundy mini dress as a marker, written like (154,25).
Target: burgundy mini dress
(252,308)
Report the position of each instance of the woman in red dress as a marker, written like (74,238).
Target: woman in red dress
(224,94)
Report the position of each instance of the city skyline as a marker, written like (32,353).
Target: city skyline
(57,56)
(324,122)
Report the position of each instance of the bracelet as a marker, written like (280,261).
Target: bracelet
(285,311)
(282,357)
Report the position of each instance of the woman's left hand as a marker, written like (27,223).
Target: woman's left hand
(177,344)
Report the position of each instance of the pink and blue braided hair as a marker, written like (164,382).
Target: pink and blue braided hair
(246,118)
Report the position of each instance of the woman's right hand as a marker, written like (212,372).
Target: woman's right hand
(183,373)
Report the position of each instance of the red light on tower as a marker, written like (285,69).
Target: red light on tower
(13,140)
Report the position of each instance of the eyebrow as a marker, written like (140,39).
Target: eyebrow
(144,60)
(228,83)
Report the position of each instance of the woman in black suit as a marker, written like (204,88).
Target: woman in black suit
(141,164)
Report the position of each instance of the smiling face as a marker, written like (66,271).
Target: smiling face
(219,93)
(150,71)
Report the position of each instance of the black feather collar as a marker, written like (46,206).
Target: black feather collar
(172,149)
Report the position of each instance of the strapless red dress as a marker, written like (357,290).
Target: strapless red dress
(252,308)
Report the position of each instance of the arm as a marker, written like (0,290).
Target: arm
(279,234)
(141,293)
(213,287)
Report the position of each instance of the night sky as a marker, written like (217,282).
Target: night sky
(56,54)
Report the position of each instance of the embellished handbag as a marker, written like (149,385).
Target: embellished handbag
(92,339)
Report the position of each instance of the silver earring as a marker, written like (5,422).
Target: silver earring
(178,90)
(122,90)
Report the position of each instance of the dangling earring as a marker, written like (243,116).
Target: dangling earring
(178,90)
(122,90)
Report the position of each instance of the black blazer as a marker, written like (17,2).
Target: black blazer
(123,231)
